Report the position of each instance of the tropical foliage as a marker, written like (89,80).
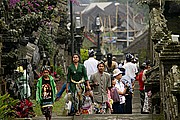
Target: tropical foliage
(41,21)
(60,71)
(6,104)
(21,18)
(46,39)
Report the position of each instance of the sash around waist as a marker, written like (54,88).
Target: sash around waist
(77,82)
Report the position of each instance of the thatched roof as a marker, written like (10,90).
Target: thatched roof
(106,10)
(101,5)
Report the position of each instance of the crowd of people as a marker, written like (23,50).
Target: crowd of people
(94,87)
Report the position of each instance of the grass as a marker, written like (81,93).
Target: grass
(57,108)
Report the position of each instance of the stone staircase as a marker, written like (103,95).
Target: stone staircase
(136,103)
(55,118)
(135,116)
(116,117)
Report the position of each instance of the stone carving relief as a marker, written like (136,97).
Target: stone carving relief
(158,26)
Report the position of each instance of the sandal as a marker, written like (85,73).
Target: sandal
(57,99)
(78,114)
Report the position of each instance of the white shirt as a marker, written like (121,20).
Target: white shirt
(130,69)
(144,75)
(91,66)
(120,86)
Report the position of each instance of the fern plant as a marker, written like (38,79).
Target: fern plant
(6,107)
(60,71)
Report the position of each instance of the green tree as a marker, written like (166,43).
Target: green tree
(84,55)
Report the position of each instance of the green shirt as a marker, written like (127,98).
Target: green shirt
(39,89)
(76,74)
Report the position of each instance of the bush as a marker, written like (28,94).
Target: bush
(60,71)
(84,55)
(6,105)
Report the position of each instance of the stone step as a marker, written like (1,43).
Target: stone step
(136,106)
(54,118)
(104,117)
(136,92)
(136,99)
(117,117)
(136,109)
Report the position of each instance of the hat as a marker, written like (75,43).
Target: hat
(113,58)
(91,53)
(144,64)
(46,68)
(19,69)
(129,57)
(116,72)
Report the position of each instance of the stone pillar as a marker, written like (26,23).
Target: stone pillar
(169,56)
(158,32)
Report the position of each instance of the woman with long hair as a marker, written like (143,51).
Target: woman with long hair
(77,79)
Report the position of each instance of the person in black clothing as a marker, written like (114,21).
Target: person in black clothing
(46,93)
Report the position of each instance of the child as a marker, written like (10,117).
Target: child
(109,102)
(87,103)
(68,104)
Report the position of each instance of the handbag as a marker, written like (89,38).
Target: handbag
(115,95)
